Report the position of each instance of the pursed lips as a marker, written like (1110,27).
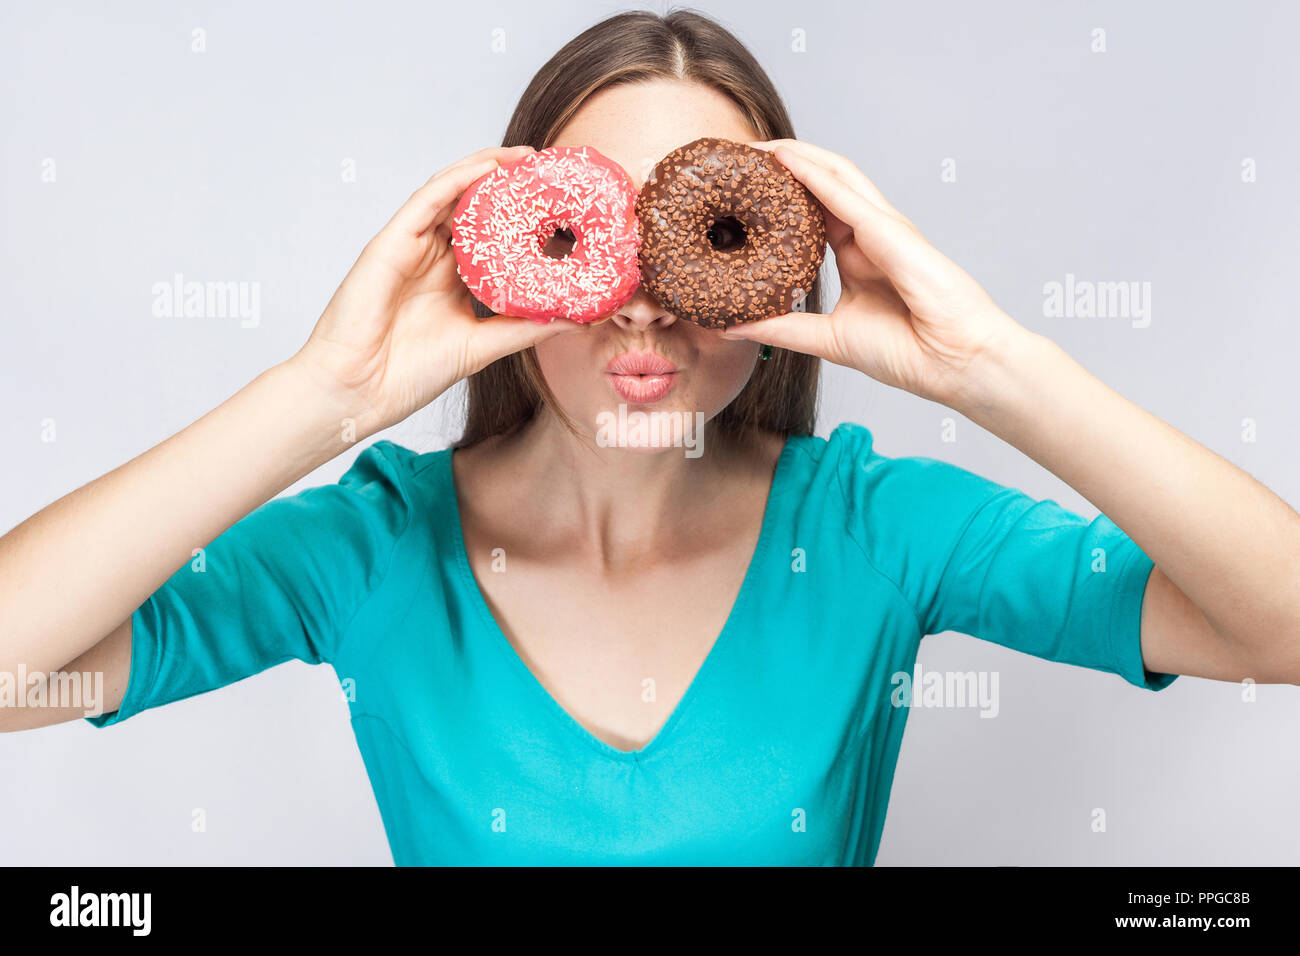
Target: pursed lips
(641,377)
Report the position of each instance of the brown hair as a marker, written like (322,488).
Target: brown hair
(781,395)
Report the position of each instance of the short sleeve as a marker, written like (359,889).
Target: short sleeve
(974,556)
(280,584)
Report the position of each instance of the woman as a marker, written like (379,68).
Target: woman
(561,651)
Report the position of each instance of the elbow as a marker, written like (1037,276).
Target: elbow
(1272,659)
(1282,659)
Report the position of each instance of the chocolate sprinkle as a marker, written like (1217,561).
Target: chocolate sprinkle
(784,233)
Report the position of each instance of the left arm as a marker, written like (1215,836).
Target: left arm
(1223,600)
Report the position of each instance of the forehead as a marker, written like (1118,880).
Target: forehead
(638,124)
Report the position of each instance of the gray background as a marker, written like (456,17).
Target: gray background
(225,165)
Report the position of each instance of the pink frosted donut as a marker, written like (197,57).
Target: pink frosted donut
(506,221)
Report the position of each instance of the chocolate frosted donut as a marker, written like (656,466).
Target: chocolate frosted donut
(728,235)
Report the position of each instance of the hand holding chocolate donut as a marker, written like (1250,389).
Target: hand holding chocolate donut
(907,315)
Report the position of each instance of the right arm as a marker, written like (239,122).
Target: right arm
(399,331)
(74,572)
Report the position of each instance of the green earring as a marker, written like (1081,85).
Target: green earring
(765,352)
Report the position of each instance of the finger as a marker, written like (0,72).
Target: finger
(502,154)
(842,166)
(492,152)
(407,243)
(809,332)
(428,204)
(501,335)
(890,243)
(437,269)
(837,230)
(436,197)
(812,333)
(852,262)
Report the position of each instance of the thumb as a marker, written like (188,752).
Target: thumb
(502,335)
(809,332)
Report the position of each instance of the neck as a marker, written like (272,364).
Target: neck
(623,504)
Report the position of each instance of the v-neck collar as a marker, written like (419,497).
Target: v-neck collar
(548,701)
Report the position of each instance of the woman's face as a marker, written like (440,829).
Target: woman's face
(636,125)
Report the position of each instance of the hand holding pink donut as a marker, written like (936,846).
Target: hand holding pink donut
(400,330)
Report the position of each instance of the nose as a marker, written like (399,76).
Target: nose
(642,312)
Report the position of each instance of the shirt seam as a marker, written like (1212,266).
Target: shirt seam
(346,631)
(988,565)
(916,618)
(147,647)
(852,509)
(1119,597)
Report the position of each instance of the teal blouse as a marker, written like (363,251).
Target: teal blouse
(783,749)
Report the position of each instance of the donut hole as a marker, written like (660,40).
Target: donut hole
(726,234)
(560,244)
